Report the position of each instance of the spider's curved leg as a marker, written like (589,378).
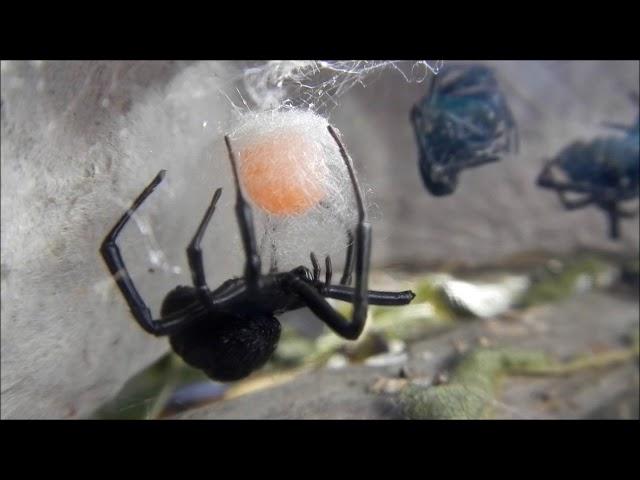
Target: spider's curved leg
(112,257)
(316,302)
(363,245)
(245,222)
(194,254)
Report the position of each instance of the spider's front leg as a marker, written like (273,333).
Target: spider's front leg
(359,295)
(245,222)
(194,254)
(112,257)
(316,302)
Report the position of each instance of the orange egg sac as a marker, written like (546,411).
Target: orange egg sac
(281,175)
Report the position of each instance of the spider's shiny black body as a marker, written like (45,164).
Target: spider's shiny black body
(463,121)
(231,331)
(603,172)
(227,345)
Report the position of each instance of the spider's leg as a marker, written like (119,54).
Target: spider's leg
(328,271)
(112,257)
(245,222)
(363,243)
(376,297)
(310,295)
(316,266)
(194,254)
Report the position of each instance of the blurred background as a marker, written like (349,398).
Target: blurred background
(523,310)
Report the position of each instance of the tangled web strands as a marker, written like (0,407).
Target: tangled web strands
(317,85)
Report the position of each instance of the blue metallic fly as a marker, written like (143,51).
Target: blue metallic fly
(603,172)
(463,121)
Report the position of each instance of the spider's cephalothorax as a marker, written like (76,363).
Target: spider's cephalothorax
(231,331)
(603,172)
(463,121)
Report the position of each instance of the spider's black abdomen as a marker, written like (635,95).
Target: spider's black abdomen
(227,347)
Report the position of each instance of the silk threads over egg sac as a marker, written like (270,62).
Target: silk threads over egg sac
(291,170)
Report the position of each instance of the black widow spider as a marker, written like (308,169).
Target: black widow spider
(232,331)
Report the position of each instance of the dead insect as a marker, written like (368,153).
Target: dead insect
(463,121)
(603,172)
